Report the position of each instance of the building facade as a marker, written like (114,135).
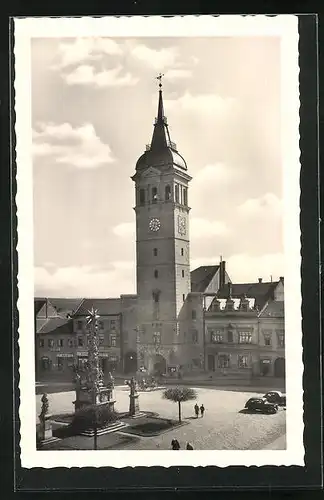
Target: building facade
(178,321)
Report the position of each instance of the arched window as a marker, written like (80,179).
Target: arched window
(176,193)
(142,197)
(167,192)
(185,196)
(154,195)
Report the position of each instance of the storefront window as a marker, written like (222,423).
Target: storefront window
(243,361)
(60,364)
(223,361)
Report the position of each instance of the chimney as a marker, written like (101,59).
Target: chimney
(281,279)
(260,280)
(222,273)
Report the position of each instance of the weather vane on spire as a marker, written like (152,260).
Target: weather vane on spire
(159,77)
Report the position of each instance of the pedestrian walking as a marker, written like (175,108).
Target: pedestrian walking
(189,446)
(175,445)
(196,408)
(202,410)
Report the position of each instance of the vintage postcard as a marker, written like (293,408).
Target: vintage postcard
(159,241)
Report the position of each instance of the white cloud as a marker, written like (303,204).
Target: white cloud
(85,49)
(201,103)
(79,147)
(177,74)
(156,58)
(203,228)
(245,268)
(125,229)
(84,282)
(87,75)
(269,204)
(217,172)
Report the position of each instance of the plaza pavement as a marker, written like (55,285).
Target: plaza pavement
(223,427)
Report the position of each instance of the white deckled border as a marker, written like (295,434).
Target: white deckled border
(283,26)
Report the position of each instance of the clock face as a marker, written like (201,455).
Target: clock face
(182,225)
(154,224)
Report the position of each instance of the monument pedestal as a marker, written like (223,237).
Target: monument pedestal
(134,408)
(84,398)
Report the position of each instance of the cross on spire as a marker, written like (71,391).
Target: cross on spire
(159,77)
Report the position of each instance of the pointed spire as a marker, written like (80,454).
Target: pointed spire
(161,137)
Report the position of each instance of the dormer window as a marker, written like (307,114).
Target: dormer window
(167,193)
(142,197)
(154,195)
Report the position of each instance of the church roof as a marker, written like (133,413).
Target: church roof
(162,151)
(260,291)
(201,277)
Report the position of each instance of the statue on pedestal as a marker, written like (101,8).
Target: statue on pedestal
(133,398)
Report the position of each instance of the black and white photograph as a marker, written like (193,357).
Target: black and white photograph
(159,241)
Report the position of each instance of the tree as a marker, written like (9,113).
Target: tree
(179,395)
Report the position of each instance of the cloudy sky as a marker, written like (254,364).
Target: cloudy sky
(93,106)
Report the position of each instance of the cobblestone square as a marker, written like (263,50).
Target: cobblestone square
(223,427)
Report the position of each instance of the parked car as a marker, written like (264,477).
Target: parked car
(261,405)
(276,397)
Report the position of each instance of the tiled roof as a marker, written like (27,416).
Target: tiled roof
(201,277)
(56,325)
(38,304)
(65,306)
(261,292)
(40,322)
(104,306)
(274,309)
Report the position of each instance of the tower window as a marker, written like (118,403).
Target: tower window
(182,251)
(142,197)
(167,192)
(176,193)
(185,196)
(193,314)
(156,273)
(155,252)
(154,195)
(183,297)
(182,272)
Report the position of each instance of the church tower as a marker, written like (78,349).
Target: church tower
(162,248)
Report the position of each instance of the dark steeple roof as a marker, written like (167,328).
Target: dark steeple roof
(162,151)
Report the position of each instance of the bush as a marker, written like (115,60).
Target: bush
(88,417)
